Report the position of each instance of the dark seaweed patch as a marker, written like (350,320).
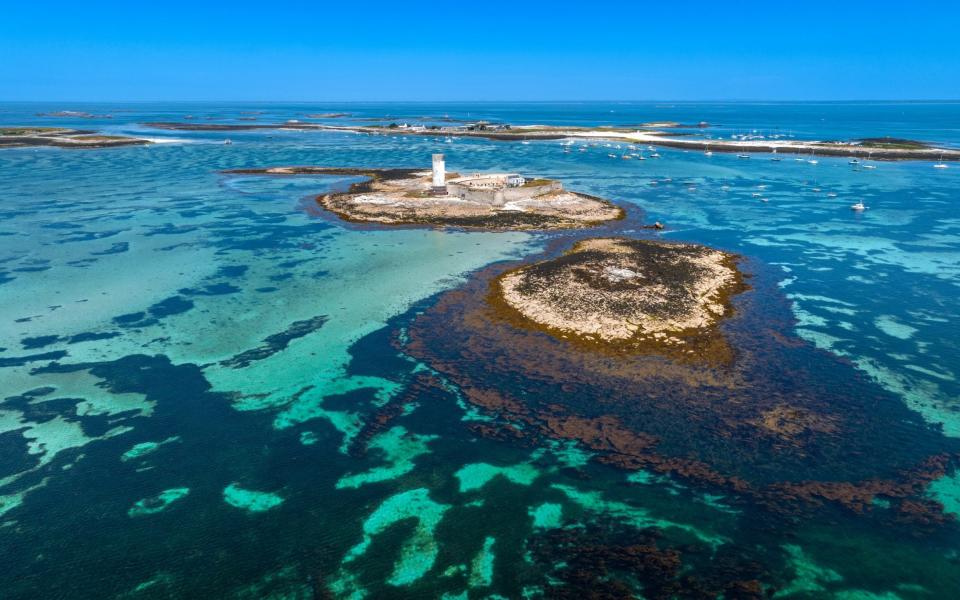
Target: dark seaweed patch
(19,361)
(232,271)
(91,337)
(276,342)
(116,248)
(31,343)
(129,318)
(171,306)
(214,289)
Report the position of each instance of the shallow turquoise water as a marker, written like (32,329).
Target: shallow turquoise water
(188,356)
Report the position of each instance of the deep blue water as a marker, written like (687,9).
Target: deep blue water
(147,298)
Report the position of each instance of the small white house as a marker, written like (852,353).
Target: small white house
(515,180)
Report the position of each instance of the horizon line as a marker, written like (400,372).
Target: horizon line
(501,101)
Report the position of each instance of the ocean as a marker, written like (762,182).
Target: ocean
(208,391)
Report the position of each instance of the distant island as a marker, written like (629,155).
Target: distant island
(504,201)
(331,115)
(73,114)
(879,148)
(18,137)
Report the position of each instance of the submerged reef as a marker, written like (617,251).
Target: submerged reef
(252,501)
(406,197)
(158,503)
(18,137)
(631,295)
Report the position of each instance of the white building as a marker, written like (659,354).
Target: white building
(439,172)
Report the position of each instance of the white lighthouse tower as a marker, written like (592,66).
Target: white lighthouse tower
(439,174)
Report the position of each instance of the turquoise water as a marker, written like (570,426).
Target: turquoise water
(191,360)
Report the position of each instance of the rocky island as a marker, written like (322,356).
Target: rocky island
(480,200)
(626,294)
(60,137)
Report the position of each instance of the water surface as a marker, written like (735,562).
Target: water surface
(197,367)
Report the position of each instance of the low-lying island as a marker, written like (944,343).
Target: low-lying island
(627,295)
(61,137)
(436,198)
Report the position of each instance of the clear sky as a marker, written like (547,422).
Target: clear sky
(493,50)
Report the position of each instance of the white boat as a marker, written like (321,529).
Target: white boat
(813,160)
(626,157)
(854,162)
(941,164)
(227,142)
(858,207)
(743,156)
(831,195)
(655,155)
(775,158)
(525,143)
(708,153)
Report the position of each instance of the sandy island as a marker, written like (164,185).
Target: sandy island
(626,294)
(19,137)
(487,201)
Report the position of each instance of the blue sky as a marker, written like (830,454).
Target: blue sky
(494,50)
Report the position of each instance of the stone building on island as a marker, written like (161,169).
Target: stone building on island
(495,189)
